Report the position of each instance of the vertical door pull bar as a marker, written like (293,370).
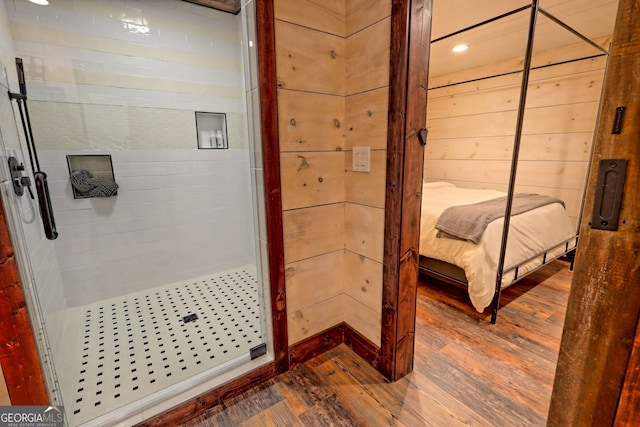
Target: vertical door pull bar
(606,209)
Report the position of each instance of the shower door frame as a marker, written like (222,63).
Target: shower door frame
(26,385)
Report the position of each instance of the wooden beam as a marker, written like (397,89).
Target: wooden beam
(604,305)
(266,36)
(628,414)
(18,352)
(231,6)
(409,63)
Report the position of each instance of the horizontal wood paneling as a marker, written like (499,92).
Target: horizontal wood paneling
(363,319)
(363,280)
(583,66)
(311,121)
(577,88)
(315,66)
(303,52)
(364,230)
(366,188)
(311,60)
(362,13)
(322,15)
(315,318)
(314,279)
(312,178)
(367,65)
(541,174)
(366,114)
(566,118)
(566,146)
(313,231)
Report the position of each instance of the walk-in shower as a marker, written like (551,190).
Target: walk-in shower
(144,115)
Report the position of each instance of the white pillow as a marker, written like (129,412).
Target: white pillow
(437,184)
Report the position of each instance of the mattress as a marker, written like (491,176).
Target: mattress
(530,233)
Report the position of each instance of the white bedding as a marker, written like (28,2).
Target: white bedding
(529,233)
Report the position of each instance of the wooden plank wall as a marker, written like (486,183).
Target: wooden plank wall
(367,90)
(471,126)
(333,92)
(310,64)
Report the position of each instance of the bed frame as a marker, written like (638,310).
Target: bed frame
(455,275)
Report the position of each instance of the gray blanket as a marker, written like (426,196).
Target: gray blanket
(89,186)
(468,222)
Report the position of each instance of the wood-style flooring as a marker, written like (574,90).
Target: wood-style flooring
(466,371)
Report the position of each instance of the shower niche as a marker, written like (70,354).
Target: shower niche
(211,130)
(91,175)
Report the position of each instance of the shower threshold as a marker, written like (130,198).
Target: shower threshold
(134,347)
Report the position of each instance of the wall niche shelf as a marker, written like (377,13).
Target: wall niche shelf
(211,130)
(98,165)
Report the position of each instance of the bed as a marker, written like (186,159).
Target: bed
(535,237)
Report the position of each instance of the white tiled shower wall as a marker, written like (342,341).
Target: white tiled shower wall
(148,53)
(125,78)
(178,214)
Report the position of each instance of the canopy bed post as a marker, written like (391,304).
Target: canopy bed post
(495,303)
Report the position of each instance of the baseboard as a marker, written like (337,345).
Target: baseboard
(315,345)
(362,346)
(324,341)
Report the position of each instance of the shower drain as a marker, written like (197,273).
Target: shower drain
(138,344)
(190,318)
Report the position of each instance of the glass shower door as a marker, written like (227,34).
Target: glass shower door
(141,117)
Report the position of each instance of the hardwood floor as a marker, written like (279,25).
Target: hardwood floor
(466,371)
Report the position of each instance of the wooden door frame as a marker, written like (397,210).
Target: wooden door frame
(408,75)
(589,381)
(18,353)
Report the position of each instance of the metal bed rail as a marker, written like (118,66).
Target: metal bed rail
(545,259)
(568,250)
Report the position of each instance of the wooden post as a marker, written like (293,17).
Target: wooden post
(18,352)
(410,40)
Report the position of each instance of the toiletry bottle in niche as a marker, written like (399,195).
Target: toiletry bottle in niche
(205,139)
(212,139)
(219,139)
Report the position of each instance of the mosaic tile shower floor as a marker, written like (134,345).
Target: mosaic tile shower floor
(129,347)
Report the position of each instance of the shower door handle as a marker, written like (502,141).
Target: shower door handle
(46,210)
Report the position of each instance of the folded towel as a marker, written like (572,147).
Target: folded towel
(87,185)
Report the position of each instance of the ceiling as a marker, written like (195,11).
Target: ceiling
(231,6)
(506,38)
(499,40)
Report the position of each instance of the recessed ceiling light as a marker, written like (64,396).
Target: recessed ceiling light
(40,2)
(460,48)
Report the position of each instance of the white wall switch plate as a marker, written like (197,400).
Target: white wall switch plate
(361,159)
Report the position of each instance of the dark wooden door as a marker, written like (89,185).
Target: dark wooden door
(604,304)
